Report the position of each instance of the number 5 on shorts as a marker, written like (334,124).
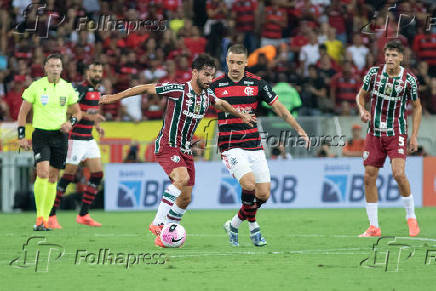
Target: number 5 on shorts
(401,141)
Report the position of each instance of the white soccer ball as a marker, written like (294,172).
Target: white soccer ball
(173,235)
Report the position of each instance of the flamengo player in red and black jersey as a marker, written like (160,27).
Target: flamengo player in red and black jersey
(186,106)
(82,147)
(240,146)
(391,87)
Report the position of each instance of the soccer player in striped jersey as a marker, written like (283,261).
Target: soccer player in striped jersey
(390,87)
(240,145)
(186,106)
(82,147)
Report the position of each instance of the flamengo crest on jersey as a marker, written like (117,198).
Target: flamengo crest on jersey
(389,97)
(245,97)
(183,113)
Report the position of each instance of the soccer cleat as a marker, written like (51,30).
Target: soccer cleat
(257,238)
(87,220)
(53,222)
(158,242)
(40,225)
(232,233)
(155,229)
(413,227)
(371,231)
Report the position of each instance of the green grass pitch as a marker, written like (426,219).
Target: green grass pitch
(308,249)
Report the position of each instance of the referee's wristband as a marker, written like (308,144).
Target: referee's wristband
(21,132)
(73,120)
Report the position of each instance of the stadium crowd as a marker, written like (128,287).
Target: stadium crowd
(314,51)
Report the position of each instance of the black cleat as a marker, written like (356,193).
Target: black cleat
(40,227)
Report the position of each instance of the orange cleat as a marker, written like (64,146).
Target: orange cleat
(158,242)
(413,227)
(371,231)
(155,229)
(87,220)
(53,222)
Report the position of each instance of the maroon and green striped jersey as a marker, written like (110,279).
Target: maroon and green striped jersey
(389,97)
(245,97)
(183,113)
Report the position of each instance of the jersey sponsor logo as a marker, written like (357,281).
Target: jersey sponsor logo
(249,91)
(175,159)
(192,114)
(267,91)
(44,99)
(389,98)
(223,84)
(248,83)
(62,100)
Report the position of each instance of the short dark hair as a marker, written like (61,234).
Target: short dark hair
(237,49)
(203,60)
(395,45)
(95,63)
(52,56)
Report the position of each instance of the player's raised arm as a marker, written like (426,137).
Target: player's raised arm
(225,106)
(365,116)
(284,113)
(140,89)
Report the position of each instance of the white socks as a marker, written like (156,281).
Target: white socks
(252,226)
(168,199)
(409,205)
(175,214)
(236,222)
(371,210)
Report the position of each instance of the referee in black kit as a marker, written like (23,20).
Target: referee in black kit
(50,98)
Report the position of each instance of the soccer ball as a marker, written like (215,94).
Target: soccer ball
(173,235)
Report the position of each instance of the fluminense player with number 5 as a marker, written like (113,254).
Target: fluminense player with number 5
(391,87)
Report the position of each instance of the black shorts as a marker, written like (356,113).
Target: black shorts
(50,145)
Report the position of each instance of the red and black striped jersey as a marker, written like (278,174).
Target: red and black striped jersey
(184,111)
(245,97)
(88,102)
(389,97)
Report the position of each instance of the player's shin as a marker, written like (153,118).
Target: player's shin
(49,199)
(247,210)
(168,198)
(409,205)
(90,192)
(60,191)
(175,214)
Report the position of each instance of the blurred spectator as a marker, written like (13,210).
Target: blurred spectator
(13,97)
(337,14)
(429,98)
(355,145)
(280,153)
(358,52)
(314,94)
(288,96)
(424,45)
(335,48)
(324,150)
(216,12)
(110,111)
(244,14)
(153,107)
(261,68)
(195,43)
(309,53)
(132,155)
(419,153)
(131,107)
(274,21)
(183,72)
(423,77)
(345,86)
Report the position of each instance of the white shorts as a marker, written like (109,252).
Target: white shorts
(240,162)
(80,150)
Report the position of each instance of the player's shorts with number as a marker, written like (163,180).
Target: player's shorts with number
(80,150)
(170,158)
(240,162)
(378,148)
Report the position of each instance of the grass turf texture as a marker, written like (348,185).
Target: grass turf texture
(308,249)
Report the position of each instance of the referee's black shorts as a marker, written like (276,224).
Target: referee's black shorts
(50,145)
